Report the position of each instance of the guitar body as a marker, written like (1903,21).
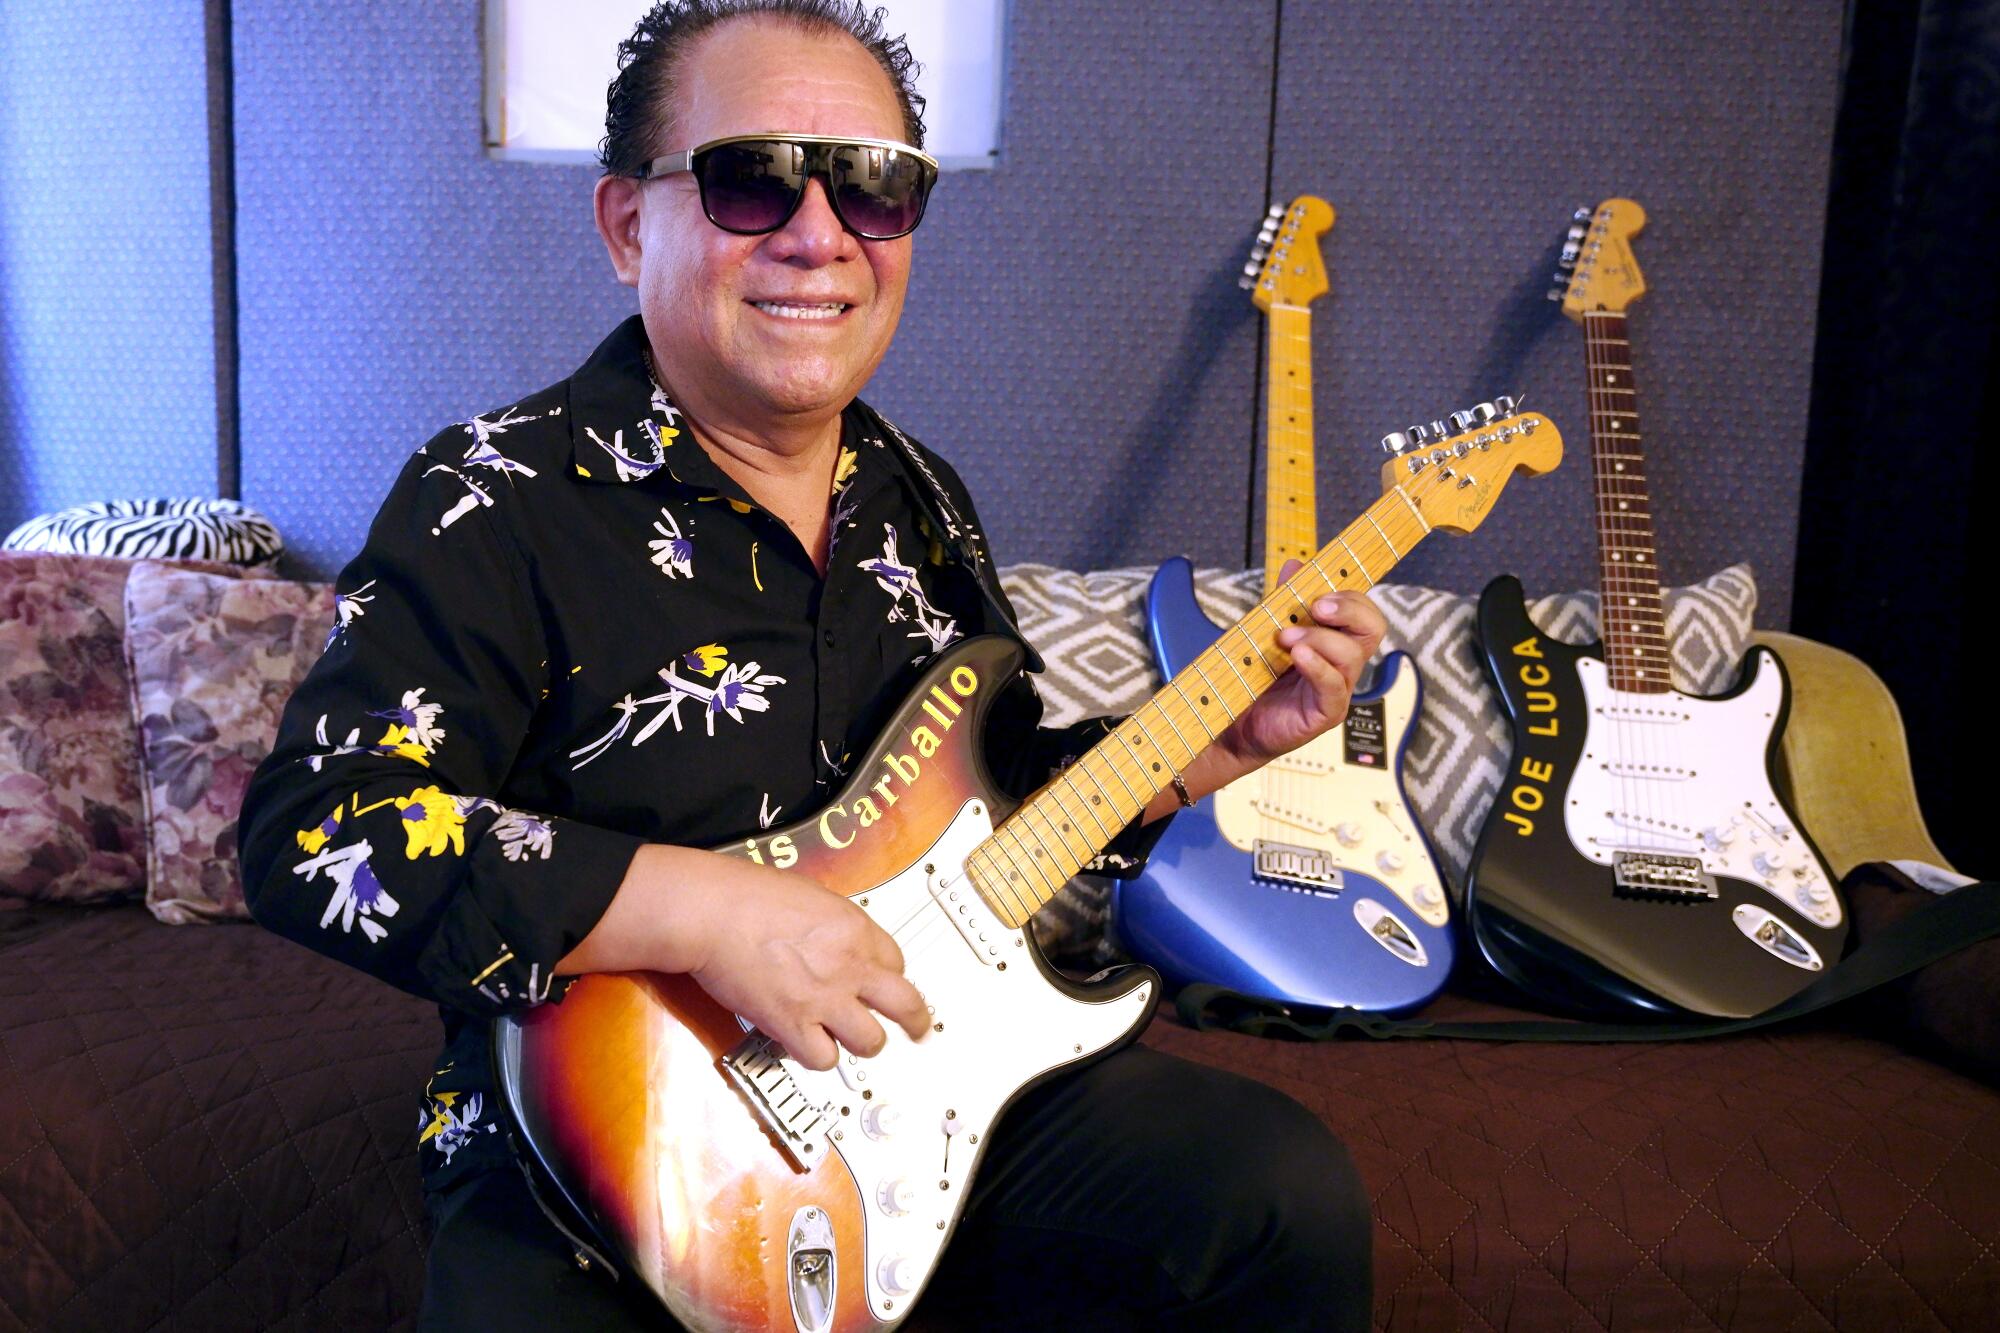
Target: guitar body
(750,1193)
(1348,910)
(1723,906)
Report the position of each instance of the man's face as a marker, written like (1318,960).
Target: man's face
(752,329)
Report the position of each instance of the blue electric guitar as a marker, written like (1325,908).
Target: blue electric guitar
(1310,881)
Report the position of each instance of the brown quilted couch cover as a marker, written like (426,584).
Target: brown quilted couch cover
(208,1128)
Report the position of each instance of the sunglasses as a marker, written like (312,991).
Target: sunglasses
(751,184)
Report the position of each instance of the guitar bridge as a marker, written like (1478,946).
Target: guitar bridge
(1301,869)
(1659,875)
(757,1068)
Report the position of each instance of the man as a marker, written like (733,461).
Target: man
(659,605)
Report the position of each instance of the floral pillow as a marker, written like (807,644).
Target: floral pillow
(71,823)
(213,661)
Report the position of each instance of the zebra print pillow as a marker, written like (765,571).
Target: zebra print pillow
(225,531)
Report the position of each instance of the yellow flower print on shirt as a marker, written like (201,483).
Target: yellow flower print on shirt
(432,823)
(707,659)
(844,468)
(401,743)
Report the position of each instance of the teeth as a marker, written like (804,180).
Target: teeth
(795,310)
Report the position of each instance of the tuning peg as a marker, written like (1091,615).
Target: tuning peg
(1463,421)
(1395,442)
(1583,214)
(1418,436)
(1557,293)
(1438,431)
(1502,405)
(1278,211)
(1484,413)
(1577,233)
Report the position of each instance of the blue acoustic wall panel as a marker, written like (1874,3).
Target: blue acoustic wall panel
(107,334)
(391,278)
(1455,138)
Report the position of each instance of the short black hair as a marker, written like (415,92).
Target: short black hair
(638,103)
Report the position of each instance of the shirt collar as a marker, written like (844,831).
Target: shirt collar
(624,428)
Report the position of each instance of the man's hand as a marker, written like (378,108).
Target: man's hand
(795,958)
(1327,660)
(1326,657)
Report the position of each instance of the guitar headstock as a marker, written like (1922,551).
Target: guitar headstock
(1453,480)
(1285,267)
(1597,270)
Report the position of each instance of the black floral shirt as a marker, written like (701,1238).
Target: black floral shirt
(570,633)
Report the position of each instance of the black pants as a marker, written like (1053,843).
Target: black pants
(1142,1192)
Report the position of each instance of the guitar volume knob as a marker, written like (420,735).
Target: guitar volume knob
(897,1273)
(879,1119)
(1389,861)
(1349,833)
(896,1196)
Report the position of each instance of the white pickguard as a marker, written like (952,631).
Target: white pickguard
(1686,776)
(998,1024)
(1356,814)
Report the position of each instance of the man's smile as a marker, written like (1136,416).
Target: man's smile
(810,310)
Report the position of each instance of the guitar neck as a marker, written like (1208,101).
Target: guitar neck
(1633,620)
(1290,530)
(1059,829)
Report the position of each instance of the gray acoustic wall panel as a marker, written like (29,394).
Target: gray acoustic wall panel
(107,332)
(393,280)
(1075,341)
(1454,138)
(1074,338)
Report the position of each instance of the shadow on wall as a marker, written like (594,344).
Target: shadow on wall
(1133,483)
(1522,320)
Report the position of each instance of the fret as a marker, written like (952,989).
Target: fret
(1383,535)
(1228,709)
(1157,706)
(1255,647)
(1071,861)
(1026,858)
(1356,559)
(1176,685)
(1005,877)
(1089,806)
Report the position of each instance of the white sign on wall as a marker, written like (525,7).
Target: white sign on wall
(548,63)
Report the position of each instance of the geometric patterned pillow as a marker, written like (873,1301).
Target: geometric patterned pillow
(213,661)
(71,821)
(1090,630)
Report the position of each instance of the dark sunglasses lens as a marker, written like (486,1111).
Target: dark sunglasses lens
(751,187)
(879,192)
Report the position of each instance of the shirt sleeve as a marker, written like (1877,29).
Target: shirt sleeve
(371,833)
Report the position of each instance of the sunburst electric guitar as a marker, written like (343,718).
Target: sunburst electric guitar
(1638,858)
(1309,881)
(751,1193)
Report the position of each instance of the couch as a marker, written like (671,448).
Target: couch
(203,1126)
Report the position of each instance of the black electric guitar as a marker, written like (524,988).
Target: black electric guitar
(1638,858)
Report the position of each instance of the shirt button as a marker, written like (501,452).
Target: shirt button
(828,637)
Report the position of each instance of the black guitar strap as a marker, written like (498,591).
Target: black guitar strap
(959,536)
(1957,919)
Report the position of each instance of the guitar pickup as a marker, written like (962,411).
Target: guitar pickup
(1658,875)
(756,1065)
(1303,869)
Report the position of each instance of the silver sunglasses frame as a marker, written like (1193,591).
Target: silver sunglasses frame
(668,164)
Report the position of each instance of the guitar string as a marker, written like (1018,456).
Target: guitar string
(1655,746)
(927,921)
(923,913)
